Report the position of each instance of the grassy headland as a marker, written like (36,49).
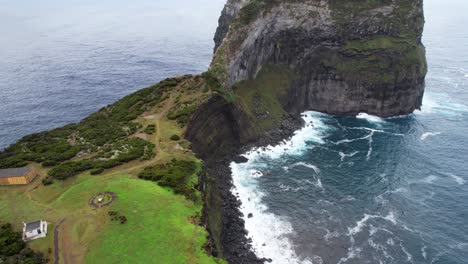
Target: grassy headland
(140,135)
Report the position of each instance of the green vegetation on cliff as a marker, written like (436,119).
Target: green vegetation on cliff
(381,60)
(261,97)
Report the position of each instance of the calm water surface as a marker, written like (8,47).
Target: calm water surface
(343,190)
(62,60)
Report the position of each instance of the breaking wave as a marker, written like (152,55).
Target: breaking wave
(270,232)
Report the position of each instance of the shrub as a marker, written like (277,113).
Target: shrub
(115,216)
(150,129)
(70,168)
(182,115)
(47,181)
(96,171)
(175,138)
(175,175)
(49,163)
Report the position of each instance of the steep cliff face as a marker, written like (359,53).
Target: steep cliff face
(276,58)
(229,13)
(347,56)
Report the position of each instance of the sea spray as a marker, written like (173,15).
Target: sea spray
(269,232)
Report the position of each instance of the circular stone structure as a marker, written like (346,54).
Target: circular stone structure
(102,199)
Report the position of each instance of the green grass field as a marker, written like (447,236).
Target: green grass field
(158,230)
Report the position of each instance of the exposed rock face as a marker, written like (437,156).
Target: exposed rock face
(231,9)
(276,58)
(348,56)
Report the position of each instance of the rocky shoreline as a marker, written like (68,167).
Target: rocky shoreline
(236,246)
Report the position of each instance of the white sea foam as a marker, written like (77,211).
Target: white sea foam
(424,252)
(313,131)
(447,108)
(368,137)
(353,252)
(429,134)
(269,232)
(307,165)
(256,173)
(370,118)
(363,222)
(409,257)
(429,179)
(344,155)
(457,179)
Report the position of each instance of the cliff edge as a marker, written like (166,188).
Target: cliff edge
(276,58)
(347,57)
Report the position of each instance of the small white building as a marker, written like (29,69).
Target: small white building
(34,230)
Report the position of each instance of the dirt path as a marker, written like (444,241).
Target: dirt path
(56,242)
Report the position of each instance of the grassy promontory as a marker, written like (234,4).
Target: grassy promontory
(133,148)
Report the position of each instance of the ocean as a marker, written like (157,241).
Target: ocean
(63,60)
(370,190)
(342,190)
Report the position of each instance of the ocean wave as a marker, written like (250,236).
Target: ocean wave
(353,252)
(442,106)
(314,131)
(307,165)
(268,231)
(429,134)
(370,118)
(363,222)
(344,155)
(457,179)
(429,179)
(409,257)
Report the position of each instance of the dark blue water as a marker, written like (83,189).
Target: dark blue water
(343,190)
(62,60)
(370,190)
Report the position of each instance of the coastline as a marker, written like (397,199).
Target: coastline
(228,231)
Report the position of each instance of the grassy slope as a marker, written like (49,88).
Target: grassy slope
(260,97)
(161,226)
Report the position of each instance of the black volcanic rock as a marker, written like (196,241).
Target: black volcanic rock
(240,159)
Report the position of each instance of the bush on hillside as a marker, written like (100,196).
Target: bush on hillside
(175,138)
(175,175)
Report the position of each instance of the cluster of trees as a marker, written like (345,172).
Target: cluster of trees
(13,250)
(177,174)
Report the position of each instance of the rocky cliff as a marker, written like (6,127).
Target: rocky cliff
(276,58)
(347,56)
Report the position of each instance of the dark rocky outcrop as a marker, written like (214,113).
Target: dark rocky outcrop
(348,56)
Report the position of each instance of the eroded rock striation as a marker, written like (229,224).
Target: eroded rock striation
(347,56)
(276,58)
